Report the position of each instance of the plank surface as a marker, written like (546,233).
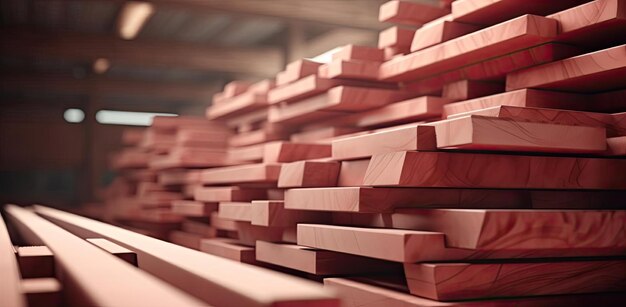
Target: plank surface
(236,211)
(193,208)
(229,249)
(215,280)
(218,194)
(10,278)
(464,281)
(440,32)
(279,151)
(252,173)
(274,214)
(309,174)
(409,13)
(488,12)
(473,170)
(35,261)
(114,249)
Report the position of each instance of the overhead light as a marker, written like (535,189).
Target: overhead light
(111,117)
(74,115)
(101,65)
(132,18)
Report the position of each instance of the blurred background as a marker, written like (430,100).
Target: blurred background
(74,74)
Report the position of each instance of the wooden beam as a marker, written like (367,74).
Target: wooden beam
(262,62)
(103,85)
(10,291)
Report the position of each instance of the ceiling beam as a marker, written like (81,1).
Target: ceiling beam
(262,62)
(101,85)
(361,14)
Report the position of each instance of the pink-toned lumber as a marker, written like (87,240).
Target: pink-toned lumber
(178,177)
(493,68)
(297,70)
(592,72)
(468,89)
(279,151)
(613,101)
(308,174)
(317,135)
(237,105)
(440,32)
(109,283)
(489,12)
(114,249)
(361,53)
(616,146)
(412,137)
(379,200)
(215,280)
(499,229)
(193,208)
(401,112)
(201,138)
(252,173)
(523,98)
(221,223)
(42,292)
(274,214)
(475,132)
(318,262)
(342,69)
(519,33)
(235,88)
(185,239)
(464,281)
(409,13)
(477,170)
(204,229)
(352,172)
(218,194)
(252,153)
(35,261)
(10,288)
(595,23)
(396,37)
(373,293)
(256,137)
(190,157)
(249,234)
(173,123)
(554,116)
(236,211)
(229,249)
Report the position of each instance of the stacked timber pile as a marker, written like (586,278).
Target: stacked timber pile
(476,157)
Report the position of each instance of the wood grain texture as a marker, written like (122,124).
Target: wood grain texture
(464,281)
(274,214)
(592,72)
(469,89)
(489,12)
(309,174)
(522,98)
(218,194)
(279,151)
(412,137)
(379,200)
(519,33)
(352,172)
(471,170)
(252,173)
(400,112)
(193,208)
(229,249)
(439,32)
(410,13)
(475,132)
(614,126)
(596,23)
(318,262)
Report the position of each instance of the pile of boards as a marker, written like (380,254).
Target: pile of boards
(475,157)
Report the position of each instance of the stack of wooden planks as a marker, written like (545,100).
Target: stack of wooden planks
(476,156)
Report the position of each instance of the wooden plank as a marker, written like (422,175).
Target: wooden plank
(252,173)
(249,234)
(352,172)
(222,224)
(308,174)
(236,211)
(256,137)
(274,214)
(475,132)
(464,281)
(318,262)
(202,138)
(380,200)
(519,33)
(218,194)
(42,292)
(368,294)
(10,288)
(596,23)
(522,98)
(396,37)
(469,170)
(189,240)
(229,249)
(494,11)
(411,110)
(410,13)
(554,116)
(343,69)
(114,249)
(217,281)
(35,261)
(296,71)
(616,146)
(235,88)
(440,32)
(412,137)
(76,257)
(279,151)
(193,208)
(252,153)
(469,89)
(317,135)
(189,157)
(362,53)
(204,229)
(592,72)
(238,105)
